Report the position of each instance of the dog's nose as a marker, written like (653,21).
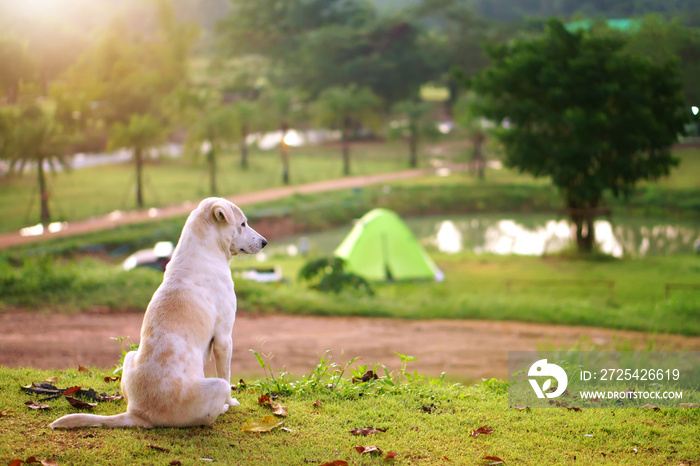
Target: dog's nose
(264,242)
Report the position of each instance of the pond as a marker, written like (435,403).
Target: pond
(519,234)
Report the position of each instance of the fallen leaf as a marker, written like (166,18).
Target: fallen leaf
(336,463)
(366,431)
(16,463)
(80,404)
(427,409)
(446,458)
(49,462)
(264,424)
(370,449)
(6,412)
(391,455)
(83,369)
(51,380)
(112,379)
(32,459)
(522,408)
(318,404)
(648,406)
(71,391)
(264,400)
(366,377)
(278,409)
(573,408)
(486,430)
(286,429)
(156,447)
(33,405)
(42,389)
(105,397)
(494,459)
(175,463)
(689,405)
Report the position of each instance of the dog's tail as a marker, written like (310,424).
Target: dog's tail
(73,421)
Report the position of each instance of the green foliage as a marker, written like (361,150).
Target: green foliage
(329,276)
(589,139)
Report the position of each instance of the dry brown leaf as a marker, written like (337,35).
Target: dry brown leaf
(494,459)
(34,405)
(370,449)
(175,463)
(366,431)
(83,369)
(318,404)
(156,447)
(51,380)
(71,391)
(522,408)
(648,406)
(688,405)
(264,400)
(80,404)
(112,379)
(391,455)
(366,377)
(486,430)
(7,412)
(336,463)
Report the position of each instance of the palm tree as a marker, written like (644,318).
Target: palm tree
(467,118)
(347,108)
(142,132)
(416,121)
(247,114)
(285,107)
(33,137)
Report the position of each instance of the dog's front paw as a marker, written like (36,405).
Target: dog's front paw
(233,402)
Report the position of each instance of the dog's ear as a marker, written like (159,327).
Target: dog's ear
(222,212)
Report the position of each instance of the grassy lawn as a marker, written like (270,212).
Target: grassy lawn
(476,288)
(425,423)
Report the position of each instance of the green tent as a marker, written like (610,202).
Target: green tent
(381,247)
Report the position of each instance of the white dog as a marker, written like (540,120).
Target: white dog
(190,316)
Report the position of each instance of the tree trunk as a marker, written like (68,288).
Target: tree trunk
(346,148)
(284,151)
(583,217)
(211,158)
(477,162)
(138,156)
(244,147)
(45,214)
(413,145)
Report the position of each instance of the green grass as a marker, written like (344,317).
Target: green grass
(90,192)
(476,288)
(96,191)
(321,417)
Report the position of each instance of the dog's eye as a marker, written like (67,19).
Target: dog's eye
(243,224)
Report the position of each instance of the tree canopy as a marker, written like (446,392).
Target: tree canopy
(577,109)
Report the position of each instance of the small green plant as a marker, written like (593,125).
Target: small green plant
(329,275)
(126,348)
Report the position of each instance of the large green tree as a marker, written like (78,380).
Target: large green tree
(347,108)
(416,121)
(284,108)
(577,109)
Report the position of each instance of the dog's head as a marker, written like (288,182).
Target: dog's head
(234,235)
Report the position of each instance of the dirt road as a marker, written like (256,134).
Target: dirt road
(463,349)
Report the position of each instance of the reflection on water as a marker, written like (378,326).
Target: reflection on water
(530,236)
(520,234)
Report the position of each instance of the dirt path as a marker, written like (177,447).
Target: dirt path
(464,349)
(138,216)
